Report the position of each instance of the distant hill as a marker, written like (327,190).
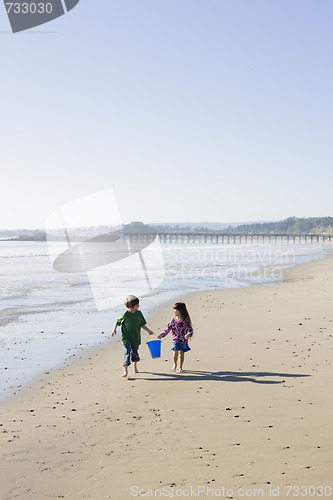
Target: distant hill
(292,225)
(197,227)
(22,234)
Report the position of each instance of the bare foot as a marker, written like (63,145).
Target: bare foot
(180,370)
(135,370)
(174,368)
(124,375)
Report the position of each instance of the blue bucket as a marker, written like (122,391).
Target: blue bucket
(155,348)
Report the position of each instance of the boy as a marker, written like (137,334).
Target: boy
(131,323)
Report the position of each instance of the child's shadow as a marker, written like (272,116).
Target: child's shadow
(226,376)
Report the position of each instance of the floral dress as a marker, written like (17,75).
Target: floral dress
(179,329)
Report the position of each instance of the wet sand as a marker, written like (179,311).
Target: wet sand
(251,415)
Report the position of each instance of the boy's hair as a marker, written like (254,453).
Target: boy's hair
(181,307)
(131,301)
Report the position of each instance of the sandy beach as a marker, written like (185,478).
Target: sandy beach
(251,417)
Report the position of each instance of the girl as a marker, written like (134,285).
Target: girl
(181,328)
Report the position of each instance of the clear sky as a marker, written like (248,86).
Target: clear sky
(190,110)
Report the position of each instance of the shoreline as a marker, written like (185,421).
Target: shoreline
(56,336)
(252,409)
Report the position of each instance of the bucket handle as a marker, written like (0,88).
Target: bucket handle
(149,337)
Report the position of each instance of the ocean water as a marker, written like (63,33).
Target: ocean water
(48,317)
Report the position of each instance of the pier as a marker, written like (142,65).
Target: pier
(233,239)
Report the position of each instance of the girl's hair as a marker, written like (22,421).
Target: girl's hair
(181,307)
(131,301)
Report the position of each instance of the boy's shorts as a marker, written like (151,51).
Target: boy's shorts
(130,353)
(179,346)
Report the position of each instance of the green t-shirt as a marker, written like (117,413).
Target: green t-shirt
(131,324)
